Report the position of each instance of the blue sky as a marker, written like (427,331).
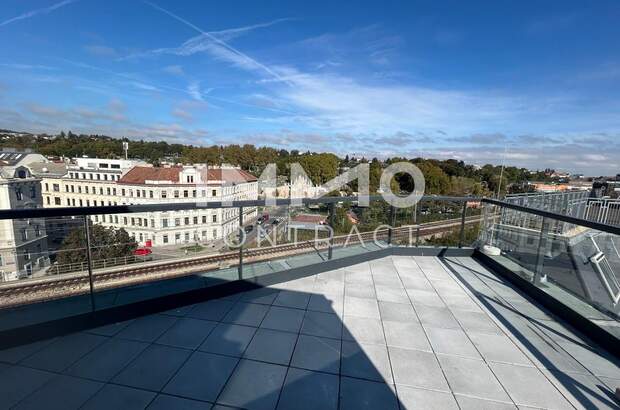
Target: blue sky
(534,84)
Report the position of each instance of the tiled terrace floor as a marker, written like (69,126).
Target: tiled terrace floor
(395,332)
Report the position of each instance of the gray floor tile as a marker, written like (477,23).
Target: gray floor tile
(476,322)
(254,386)
(153,368)
(366,361)
(249,314)
(360,289)
(363,330)
(147,328)
(597,361)
(322,324)
(361,307)
(425,298)
(317,353)
(528,386)
(64,352)
(471,403)
(282,318)
(306,390)
(416,282)
(228,339)
(437,317)
(472,377)
(498,348)
(451,341)
(119,397)
(416,368)
(263,296)
(18,353)
(18,382)
(397,312)
(202,377)
(211,310)
(389,280)
(166,402)
(109,330)
(187,333)
(180,311)
(62,393)
(392,294)
(464,303)
(412,398)
(271,346)
(292,299)
(356,394)
(326,303)
(409,335)
(107,359)
(584,390)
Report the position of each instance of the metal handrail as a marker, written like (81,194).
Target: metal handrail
(183,206)
(552,215)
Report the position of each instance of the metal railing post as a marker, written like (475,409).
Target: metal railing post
(417,236)
(330,249)
(241,235)
(392,223)
(540,256)
(462,234)
(89,262)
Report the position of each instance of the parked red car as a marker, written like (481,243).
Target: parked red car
(142,252)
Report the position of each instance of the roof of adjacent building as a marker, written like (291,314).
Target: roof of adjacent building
(140,175)
(230,175)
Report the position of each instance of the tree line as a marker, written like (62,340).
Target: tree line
(443,177)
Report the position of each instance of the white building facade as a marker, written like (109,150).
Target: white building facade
(120,182)
(23,242)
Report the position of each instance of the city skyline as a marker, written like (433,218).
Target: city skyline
(530,85)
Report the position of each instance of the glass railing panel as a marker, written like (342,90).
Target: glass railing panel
(43,270)
(577,265)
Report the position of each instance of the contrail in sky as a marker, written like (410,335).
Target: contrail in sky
(33,13)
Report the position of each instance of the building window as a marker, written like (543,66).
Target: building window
(47,199)
(177,221)
(214,218)
(165,238)
(24,234)
(164,223)
(150,194)
(214,233)
(186,221)
(213,192)
(190,179)
(186,236)
(176,194)
(56,201)
(186,194)
(195,220)
(163,194)
(204,219)
(47,187)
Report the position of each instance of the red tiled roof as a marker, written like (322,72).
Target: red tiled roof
(308,218)
(138,175)
(230,175)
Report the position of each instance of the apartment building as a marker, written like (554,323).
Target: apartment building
(120,182)
(23,242)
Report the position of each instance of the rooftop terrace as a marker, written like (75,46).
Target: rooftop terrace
(394,332)
(419,314)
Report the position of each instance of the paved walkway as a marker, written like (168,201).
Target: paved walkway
(408,332)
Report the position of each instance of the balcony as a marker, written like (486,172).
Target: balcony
(399,322)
